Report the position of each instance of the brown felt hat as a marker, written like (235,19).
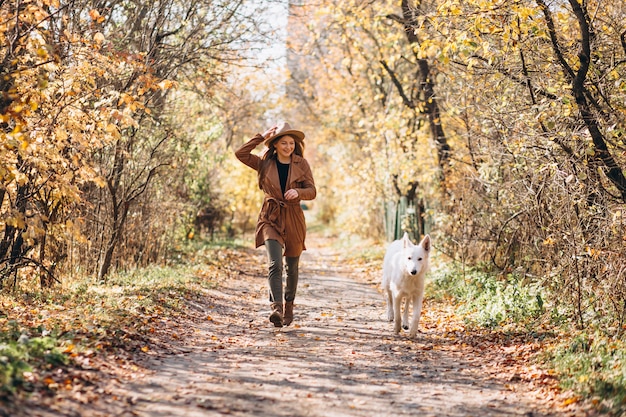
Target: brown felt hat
(283,129)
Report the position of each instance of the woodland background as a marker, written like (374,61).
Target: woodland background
(503,122)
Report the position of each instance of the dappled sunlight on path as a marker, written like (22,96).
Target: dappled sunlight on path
(339,357)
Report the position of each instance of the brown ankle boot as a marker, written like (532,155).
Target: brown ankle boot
(277,314)
(288,318)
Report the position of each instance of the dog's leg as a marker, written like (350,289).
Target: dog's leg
(389,306)
(405,314)
(397,302)
(417,312)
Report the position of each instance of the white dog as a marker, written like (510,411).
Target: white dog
(404,269)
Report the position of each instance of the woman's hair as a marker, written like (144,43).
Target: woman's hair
(271,154)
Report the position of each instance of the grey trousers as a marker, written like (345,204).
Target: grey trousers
(275,273)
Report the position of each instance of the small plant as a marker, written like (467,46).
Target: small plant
(48,330)
(489,300)
(595,367)
(21,353)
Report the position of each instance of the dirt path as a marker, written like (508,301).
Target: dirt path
(339,358)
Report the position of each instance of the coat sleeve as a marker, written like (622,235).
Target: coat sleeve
(307,190)
(244,152)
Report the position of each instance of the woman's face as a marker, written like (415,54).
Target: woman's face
(285,145)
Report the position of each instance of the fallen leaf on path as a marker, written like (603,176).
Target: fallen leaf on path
(570,400)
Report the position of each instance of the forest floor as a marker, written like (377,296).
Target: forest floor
(339,358)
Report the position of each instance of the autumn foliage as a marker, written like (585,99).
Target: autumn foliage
(509,118)
(95,169)
(501,122)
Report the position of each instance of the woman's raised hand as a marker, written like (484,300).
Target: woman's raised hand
(270,132)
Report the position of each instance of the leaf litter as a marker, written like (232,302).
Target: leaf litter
(216,354)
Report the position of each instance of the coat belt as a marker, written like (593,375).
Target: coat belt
(275,217)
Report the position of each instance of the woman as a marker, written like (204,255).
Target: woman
(285,177)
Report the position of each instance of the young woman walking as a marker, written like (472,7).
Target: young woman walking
(285,177)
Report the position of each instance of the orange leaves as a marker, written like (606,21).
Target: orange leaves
(166,85)
(130,102)
(95,16)
(146,83)
(55,129)
(51,383)
(570,401)
(99,38)
(17,220)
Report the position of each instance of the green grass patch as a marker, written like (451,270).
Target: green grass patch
(593,366)
(44,331)
(487,300)
(20,354)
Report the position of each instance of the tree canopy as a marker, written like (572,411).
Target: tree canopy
(507,118)
(500,123)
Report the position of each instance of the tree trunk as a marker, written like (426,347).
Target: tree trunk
(113,185)
(119,221)
(108,257)
(602,153)
(428,100)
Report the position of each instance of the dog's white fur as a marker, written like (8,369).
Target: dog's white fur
(404,269)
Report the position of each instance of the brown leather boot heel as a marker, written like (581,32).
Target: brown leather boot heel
(288,317)
(277,314)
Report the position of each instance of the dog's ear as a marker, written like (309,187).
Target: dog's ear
(406,240)
(426,243)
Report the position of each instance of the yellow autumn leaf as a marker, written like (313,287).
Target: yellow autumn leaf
(113,130)
(94,14)
(99,181)
(61,134)
(166,84)
(571,400)
(21,178)
(99,38)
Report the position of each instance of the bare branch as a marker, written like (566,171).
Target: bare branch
(398,85)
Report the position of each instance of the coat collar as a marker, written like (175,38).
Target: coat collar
(272,182)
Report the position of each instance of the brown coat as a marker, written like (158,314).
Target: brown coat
(280,219)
